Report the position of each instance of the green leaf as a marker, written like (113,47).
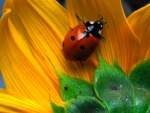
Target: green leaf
(73,87)
(57,109)
(140,75)
(142,100)
(85,105)
(116,65)
(140,78)
(148,111)
(114,88)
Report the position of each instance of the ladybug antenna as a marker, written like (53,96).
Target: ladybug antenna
(101,20)
(104,23)
(80,19)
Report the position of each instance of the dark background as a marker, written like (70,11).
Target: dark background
(128,5)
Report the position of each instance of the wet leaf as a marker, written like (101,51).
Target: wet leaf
(72,87)
(56,108)
(140,78)
(114,88)
(85,105)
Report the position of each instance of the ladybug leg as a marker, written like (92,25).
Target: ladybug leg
(103,37)
(99,36)
(80,19)
(71,29)
(81,63)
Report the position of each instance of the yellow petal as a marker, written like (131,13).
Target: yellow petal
(12,102)
(121,43)
(31,34)
(42,32)
(18,67)
(25,68)
(140,23)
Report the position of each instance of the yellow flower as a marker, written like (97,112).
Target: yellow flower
(31,35)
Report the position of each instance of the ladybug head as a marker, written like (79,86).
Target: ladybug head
(94,28)
(99,24)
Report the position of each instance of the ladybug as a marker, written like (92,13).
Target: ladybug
(81,41)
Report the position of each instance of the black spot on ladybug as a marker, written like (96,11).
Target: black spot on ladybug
(92,48)
(141,79)
(82,47)
(75,97)
(72,38)
(113,88)
(63,43)
(79,59)
(66,88)
(80,92)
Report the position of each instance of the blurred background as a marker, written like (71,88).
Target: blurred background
(128,5)
(1,80)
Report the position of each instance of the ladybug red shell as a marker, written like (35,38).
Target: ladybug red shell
(81,41)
